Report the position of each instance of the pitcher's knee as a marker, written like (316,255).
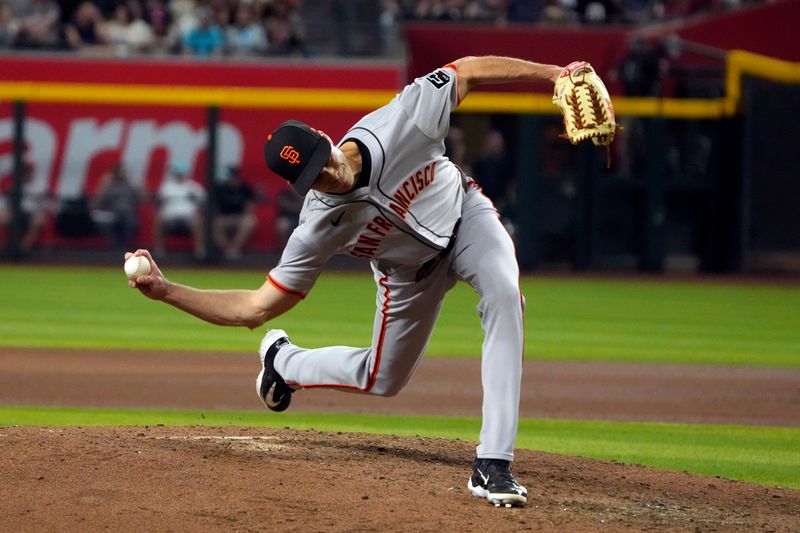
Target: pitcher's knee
(388,387)
(503,294)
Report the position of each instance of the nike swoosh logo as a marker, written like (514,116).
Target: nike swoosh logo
(271,395)
(335,221)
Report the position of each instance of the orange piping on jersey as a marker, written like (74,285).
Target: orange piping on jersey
(385,311)
(454,68)
(474,184)
(373,375)
(284,289)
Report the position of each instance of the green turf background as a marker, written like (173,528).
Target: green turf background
(567,319)
(764,455)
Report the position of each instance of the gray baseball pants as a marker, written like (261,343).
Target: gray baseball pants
(484,257)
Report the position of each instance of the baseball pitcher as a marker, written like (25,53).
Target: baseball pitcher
(386,193)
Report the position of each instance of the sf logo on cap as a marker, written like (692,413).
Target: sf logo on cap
(290,154)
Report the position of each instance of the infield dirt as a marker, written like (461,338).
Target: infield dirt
(246,479)
(253,479)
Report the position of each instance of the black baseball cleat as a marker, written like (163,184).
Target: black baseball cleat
(271,388)
(492,479)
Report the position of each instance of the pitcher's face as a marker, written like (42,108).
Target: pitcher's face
(336,176)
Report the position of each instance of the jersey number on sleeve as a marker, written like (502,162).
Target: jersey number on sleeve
(439,78)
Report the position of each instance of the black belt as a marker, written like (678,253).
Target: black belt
(428,266)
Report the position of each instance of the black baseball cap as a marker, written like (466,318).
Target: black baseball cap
(297,153)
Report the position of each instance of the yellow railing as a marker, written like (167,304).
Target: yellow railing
(739,63)
(179,95)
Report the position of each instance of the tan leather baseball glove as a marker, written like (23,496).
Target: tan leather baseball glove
(585,105)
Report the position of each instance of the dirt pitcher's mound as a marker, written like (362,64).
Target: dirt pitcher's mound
(252,479)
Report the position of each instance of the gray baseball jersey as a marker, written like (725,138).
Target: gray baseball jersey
(416,208)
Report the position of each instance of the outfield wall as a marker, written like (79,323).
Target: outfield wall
(681,184)
(72,142)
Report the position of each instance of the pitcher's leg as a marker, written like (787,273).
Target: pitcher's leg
(485,258)
(404,318)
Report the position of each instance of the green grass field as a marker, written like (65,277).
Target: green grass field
(764,455)
(567,319)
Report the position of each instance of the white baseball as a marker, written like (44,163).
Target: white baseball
(137,265)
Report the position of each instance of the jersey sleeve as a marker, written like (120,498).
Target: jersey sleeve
(299,267)
(430,100)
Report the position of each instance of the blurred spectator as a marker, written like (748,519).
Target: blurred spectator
(594,13)
(34,207)
(557,12)
(453,10)
(234,219)
(246,36)
(494,172)
(74,218)
(455,148)
(166,36)
(115,209)
(285,30)
(5,210)
(207,38)
(287,214)
(549,11)
(127,32)
(255,27)
(494,11)
(8,26)
(600,11)
(475,10)
(641,73)
(5,207)
(389,26)
(425,9)
(222,14)
(642,70)
(525,10)
(450,9)
(184,15)
(86,29)
(180,209)
(38,25)
(640,11)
